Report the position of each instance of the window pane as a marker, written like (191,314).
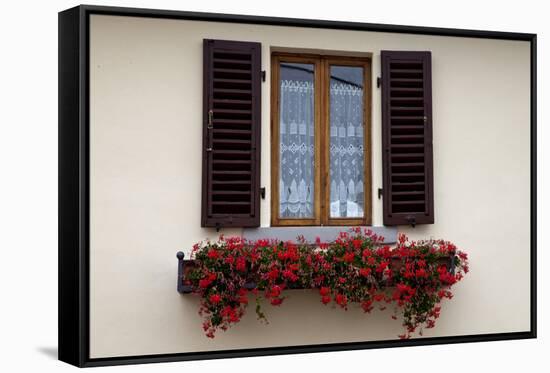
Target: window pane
(346,142)
(296,134)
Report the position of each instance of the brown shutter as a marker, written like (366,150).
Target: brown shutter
(231,134)
(407,138)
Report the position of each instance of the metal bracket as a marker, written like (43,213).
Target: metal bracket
(263,75)
(262,192)
(378,82)
(380,191)
(218,227)
(181,287)
(411,220)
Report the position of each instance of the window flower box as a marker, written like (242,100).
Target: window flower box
(357,268)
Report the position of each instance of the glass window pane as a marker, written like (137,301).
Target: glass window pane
(296,134)
(346,142)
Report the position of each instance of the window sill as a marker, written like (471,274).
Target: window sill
(325,233)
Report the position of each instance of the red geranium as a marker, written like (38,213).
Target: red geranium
(341,299)
(215,298)
(410,276)
(348,257)
(365,272)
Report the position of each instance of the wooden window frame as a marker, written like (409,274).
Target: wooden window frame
(322,63)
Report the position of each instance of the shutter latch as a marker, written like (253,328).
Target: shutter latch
(263,75)
(411,220)
(262,192)
(378,82)
(380,191)
(210,114)
(209,127)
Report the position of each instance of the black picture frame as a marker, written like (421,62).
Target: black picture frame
(74,183)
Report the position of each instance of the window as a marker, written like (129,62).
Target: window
(320,112)
(320,132)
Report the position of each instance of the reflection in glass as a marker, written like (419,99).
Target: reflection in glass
(346,142)
(296,134)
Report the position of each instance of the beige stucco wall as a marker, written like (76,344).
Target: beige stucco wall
(145,164)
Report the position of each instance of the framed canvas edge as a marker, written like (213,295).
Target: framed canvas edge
(73,192)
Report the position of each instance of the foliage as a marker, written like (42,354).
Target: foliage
(413,277)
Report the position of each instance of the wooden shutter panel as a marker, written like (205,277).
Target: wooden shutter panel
(231,134)
(407,138)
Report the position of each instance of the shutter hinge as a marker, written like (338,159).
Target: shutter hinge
(378,82)
(380,191)
(262,192)
(263,75)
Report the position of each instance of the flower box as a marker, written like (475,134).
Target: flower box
(186,266)
(357,268)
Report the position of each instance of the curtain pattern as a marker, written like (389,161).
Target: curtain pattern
(346,151)
(296,178)
(297,151)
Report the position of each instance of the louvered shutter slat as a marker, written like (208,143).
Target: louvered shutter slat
(231,145)
(407,138)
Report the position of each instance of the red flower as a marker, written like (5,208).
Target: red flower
(215,298)
(331,271)
(348,257)
(290,275)
(341,299)
(293,267)
(382,266)
(365,272)
(421,273)
(273,274)
(445,276)
(366,305)
(408,274)
(402,287)
(276,301)
(204,283)
(275,291)
(213,254)
(241,264)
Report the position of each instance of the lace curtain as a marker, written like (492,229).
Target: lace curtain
(296,149)
(346,150)
(296,179)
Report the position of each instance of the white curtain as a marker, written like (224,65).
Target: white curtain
(296,179)
(296,149)
(346,150)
